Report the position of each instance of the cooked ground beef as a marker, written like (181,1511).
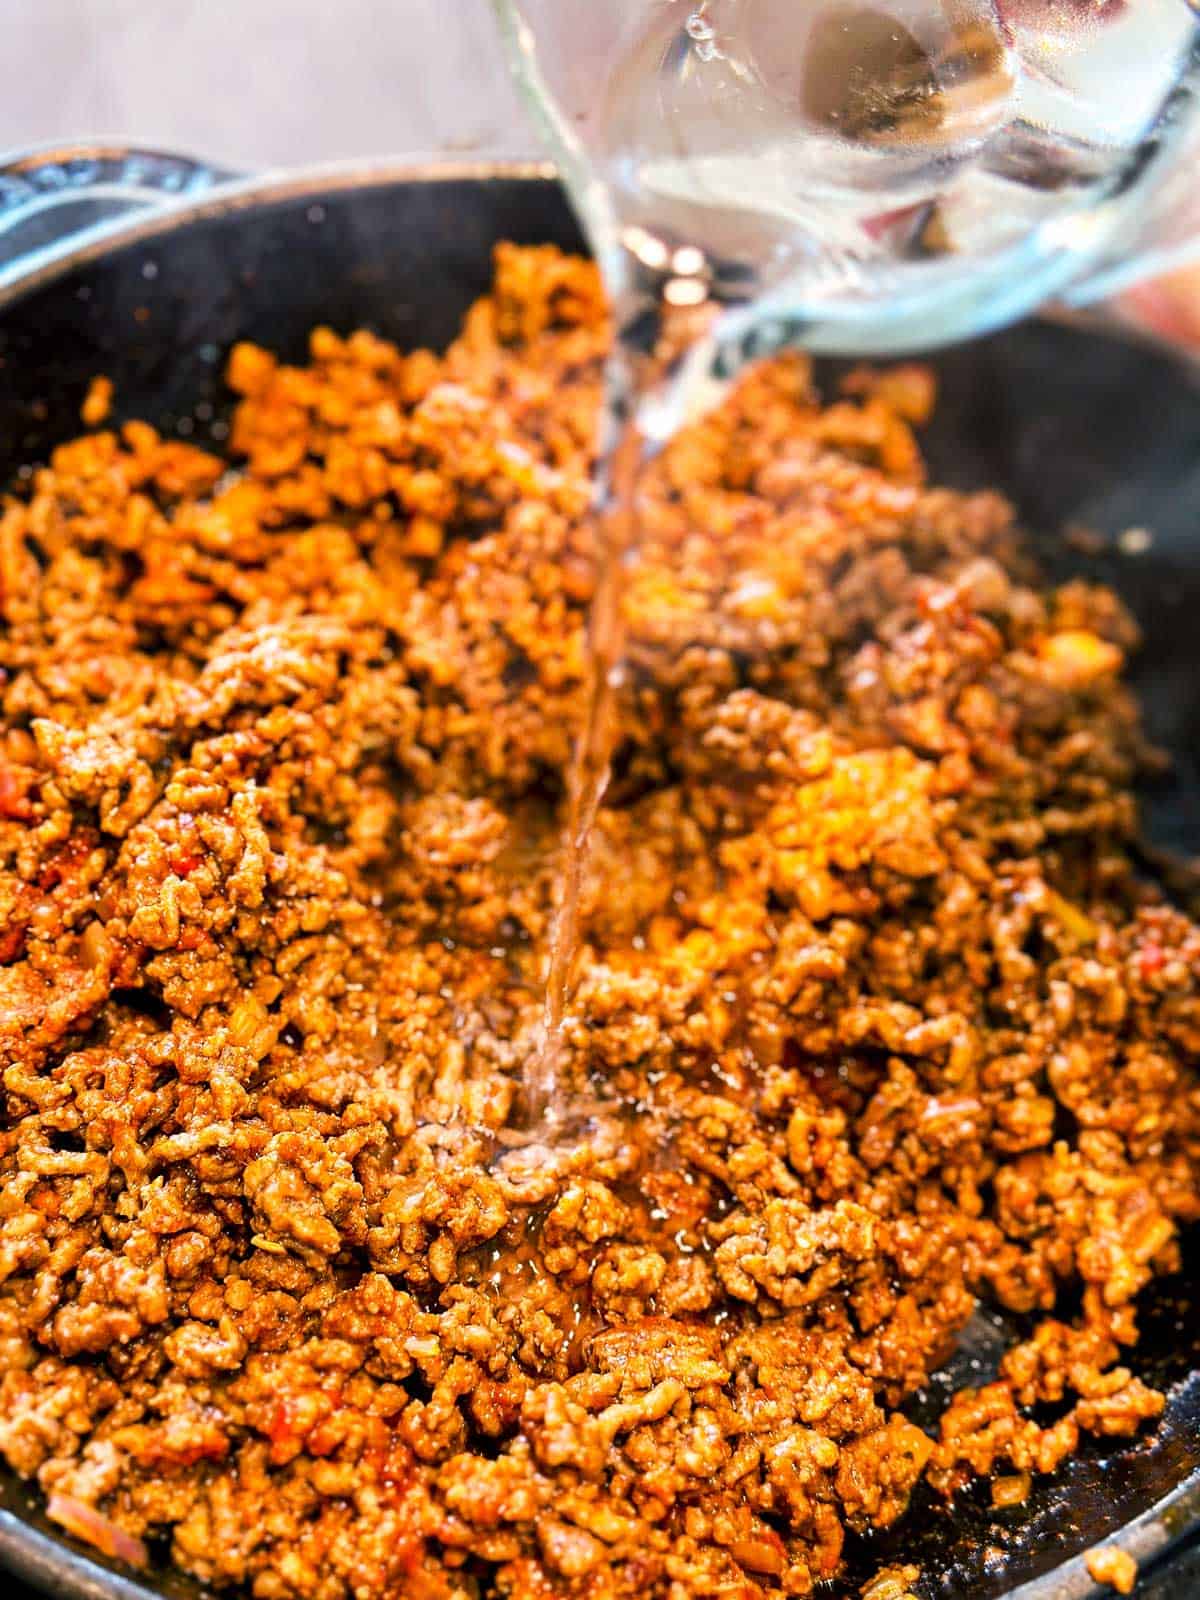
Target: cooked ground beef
(873,1019)
(1114,1567)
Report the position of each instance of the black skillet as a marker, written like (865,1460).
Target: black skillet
(1080,430)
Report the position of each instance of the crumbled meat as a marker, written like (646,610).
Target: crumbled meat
(1113,1567)
(874,1017)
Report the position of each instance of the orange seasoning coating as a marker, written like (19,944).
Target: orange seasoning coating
(874,1015)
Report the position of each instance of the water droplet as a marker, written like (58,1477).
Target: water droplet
(702,33)
(688,261)
(1135,541)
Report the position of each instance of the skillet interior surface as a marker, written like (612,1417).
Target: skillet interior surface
(1077,429)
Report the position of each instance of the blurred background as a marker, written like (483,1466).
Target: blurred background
(259,83)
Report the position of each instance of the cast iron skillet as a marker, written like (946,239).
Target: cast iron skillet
(1078,429)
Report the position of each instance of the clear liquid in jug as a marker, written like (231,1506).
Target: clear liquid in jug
(832,143)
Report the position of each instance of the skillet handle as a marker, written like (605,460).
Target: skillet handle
(54,199)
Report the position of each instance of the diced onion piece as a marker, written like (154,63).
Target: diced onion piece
(1075,658)
(86,1523)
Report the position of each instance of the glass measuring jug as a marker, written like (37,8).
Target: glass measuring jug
(870,175)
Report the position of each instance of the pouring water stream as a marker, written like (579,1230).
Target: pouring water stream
(856,174)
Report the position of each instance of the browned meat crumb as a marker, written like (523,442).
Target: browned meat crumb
(97,403)
(1116,1568)
(874,1016)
